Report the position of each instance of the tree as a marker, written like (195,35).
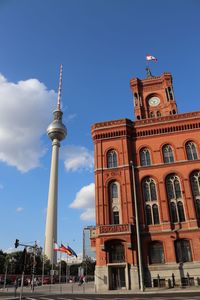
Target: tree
(89,266)
(2,262)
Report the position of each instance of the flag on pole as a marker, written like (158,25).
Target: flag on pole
(56,247)
(151,57)
(72,251)
(65,250)
(68,250)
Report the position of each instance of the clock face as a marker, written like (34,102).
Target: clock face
(154,101)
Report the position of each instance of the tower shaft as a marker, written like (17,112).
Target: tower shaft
(51,219)
(56,132)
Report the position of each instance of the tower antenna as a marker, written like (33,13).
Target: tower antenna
(60,87)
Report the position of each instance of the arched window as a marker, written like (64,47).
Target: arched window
(156,253)
(191,151)
(152,115)
(150,201)
(114,199)
(114,190)
(158,114)
(175,198)
(183,250)
(145,159)
(149,189)
(195,184)
(112,159)
(116,252)
(168,156)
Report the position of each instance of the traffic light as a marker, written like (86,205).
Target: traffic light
(16,243)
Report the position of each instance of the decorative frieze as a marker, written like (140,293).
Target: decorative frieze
(118,228)
(152,88)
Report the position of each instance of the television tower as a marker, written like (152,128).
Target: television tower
(56,132)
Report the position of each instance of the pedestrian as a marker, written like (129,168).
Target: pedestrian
(80,280)
(16,283)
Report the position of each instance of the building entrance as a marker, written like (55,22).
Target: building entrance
(117,278)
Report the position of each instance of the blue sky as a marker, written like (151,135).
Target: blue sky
(102,44)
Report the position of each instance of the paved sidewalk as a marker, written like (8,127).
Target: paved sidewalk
(89,288)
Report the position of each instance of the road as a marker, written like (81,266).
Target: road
(87,292)
(190,296)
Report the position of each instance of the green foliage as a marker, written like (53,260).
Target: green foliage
(18,261)
(2,262)
(89,266)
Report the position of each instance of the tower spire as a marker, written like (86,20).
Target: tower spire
(60,88)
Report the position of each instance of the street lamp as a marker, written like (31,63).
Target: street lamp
(137,230)
(6,271)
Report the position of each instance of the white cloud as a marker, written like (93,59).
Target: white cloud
(85,199)
(25,112)
(71,117)
(77,158)
(88,214)
(9,250)
(19,209)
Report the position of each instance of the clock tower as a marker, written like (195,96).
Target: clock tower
(153,96)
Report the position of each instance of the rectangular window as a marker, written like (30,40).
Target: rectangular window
(115,217)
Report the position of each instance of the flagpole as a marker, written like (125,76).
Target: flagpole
(52,265)
(43,263)
(66,267)
(60,271)
(147,67)
(43,268)
(147,63)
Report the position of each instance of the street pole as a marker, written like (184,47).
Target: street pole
(60,268)
(66,268)
(43,263)
(22,278)
(137,231)
(33,270)
(5,276)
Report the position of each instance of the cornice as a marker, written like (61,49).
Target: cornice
(167,119)
(169,165)
(112,124)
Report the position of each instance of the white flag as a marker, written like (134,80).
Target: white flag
(151,57)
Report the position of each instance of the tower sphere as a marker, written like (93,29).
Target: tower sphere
(57,130)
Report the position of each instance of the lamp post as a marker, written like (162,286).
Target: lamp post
(35,247)
(5,275)
(137,230)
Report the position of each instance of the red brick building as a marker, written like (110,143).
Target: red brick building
(164,148)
